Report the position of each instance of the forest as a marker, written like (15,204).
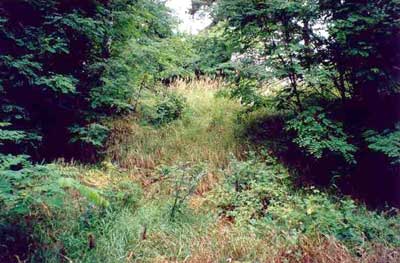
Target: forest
(271,135)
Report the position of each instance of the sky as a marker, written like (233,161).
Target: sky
(189,24)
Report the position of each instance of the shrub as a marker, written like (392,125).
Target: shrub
(387,142)
(167,108)
(314,212)
(260,193)
(47,68)
(37,200)
(320,136)
(93,134)
(247,91)
(32,188)
(249,188)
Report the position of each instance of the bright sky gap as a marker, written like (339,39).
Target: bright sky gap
(188,23)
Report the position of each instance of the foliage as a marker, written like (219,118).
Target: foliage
(387,142)
(247,91)
(316,212)
(169,108)
(261,194)
(94,134)
(317,135)
(45,65)
(295,40)
(362,45)
(186,178)
(37,188)
(67,66)
(166,108)
(125,193)
(248,189)
(89,193)
(213,53)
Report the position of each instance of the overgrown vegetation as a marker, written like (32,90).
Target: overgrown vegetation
(270,136)
(143,205)
(332,69)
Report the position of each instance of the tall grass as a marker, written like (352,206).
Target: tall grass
(146,235)
(205,133)
(136,226)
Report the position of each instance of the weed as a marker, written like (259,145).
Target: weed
(185,181)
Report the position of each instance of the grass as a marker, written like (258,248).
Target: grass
(204,134)
(137,227)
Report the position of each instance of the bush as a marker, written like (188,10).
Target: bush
(47,68)
(39,200)
(93,134)
(388,143)
(166,108)
(247,90)
(249,188)
(261,194)
(33,189)
(313,212)
(320,136)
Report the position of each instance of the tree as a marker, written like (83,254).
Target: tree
(363,46)
(348,48)
(214,53)
(340,57)
(69,64)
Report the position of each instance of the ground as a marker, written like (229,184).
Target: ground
(193,191)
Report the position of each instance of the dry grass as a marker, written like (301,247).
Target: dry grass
(204,134)
(329,250)
(225,243)
(200,84)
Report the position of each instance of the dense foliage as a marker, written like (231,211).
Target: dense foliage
(66,66)
(258,194)
(48,53)
(351,43)
(213,54)
(336,66)
(256,140)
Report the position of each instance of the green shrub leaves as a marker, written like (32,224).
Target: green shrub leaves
(318,135)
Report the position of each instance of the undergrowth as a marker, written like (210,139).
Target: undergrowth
(187,191)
